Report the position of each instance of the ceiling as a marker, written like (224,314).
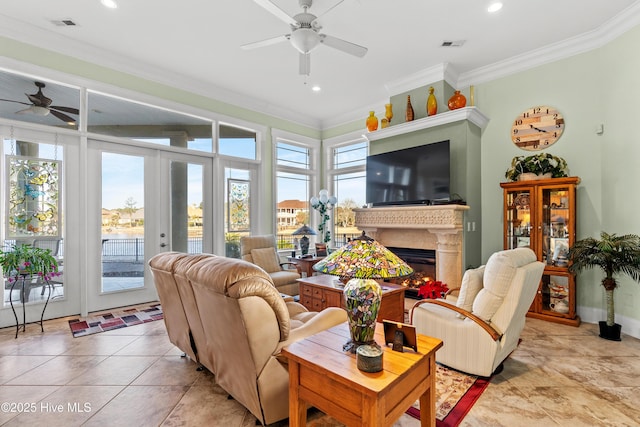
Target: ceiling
(195,45)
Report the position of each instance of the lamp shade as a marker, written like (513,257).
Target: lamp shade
(304,230)
(364,258)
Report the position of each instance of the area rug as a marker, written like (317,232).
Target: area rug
(456,393)
(114,320)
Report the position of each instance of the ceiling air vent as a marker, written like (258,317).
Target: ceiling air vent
(63,23)
(453,43)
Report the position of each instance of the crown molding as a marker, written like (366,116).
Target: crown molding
(601,36)
(444,71)
(29,34)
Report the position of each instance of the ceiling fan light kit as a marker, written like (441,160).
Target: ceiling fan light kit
(41,106)
(305,34)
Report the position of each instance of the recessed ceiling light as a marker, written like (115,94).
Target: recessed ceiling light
(111,4)
(316,88)
(494,7)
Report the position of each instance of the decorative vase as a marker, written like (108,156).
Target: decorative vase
(388,112)
(384,123)
(432,103)
(372,122)
(409,116)
(458,100)
(362,301)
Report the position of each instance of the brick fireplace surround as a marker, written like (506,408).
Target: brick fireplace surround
(438,228)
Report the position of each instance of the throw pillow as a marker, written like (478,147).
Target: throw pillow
(266,258)
(471,285)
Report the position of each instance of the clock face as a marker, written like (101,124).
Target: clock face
(537,128)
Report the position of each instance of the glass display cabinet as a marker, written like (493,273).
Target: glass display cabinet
(541,215)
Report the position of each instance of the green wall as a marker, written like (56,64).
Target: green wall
(599,87)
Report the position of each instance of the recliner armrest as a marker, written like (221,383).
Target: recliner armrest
(325,319)
(484,325)
(296,267)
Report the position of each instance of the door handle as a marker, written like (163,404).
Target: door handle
(162,245)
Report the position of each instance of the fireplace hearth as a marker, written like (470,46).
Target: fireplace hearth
(434,228)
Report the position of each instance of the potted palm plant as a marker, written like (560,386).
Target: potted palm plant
(614,255)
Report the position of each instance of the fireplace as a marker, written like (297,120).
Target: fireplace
(418,227)
(423,262)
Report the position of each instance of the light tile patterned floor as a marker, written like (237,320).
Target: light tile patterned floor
(559,376)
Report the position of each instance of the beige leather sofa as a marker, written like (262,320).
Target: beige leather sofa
(245,323)
(482,326)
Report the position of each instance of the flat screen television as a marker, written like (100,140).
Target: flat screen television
(418,175)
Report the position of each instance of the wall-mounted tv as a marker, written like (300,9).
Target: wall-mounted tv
(418,175)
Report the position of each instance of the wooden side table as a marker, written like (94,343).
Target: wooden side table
(322,375)
(321,291)
(305,264)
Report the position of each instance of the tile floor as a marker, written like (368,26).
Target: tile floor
(559,376)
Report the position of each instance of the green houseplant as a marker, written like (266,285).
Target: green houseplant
(538,164)
(614,255)
(28,260)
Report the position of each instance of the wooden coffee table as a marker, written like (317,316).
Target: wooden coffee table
(322,375)
(322,291)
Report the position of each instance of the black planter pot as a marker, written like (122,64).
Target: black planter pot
(610,332)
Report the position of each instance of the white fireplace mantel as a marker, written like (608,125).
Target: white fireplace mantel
(438,228)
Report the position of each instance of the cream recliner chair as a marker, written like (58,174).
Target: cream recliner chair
(247,323)
(263,251)
(482,327)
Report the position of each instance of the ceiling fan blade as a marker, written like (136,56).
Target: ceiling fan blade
(343,45)
(63,117)
(276,11)
(305,64)
(266,42)
(65,109)
(17,102)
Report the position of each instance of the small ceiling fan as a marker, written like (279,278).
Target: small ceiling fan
(305,34)
(41,105)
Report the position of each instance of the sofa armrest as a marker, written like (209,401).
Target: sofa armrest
(325,319)
(495,335)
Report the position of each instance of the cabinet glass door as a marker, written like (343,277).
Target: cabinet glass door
(555,290)
(555,226)
(518,219)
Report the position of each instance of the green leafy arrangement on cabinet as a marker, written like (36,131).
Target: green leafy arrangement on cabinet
(538,164)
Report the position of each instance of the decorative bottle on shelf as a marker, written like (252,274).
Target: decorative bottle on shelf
(388,112)
(458,100)
(372,122)
(432,103)
(409,115)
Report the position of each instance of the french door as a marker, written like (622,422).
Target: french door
(142,201)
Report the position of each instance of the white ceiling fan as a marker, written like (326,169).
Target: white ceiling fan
(305,34)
